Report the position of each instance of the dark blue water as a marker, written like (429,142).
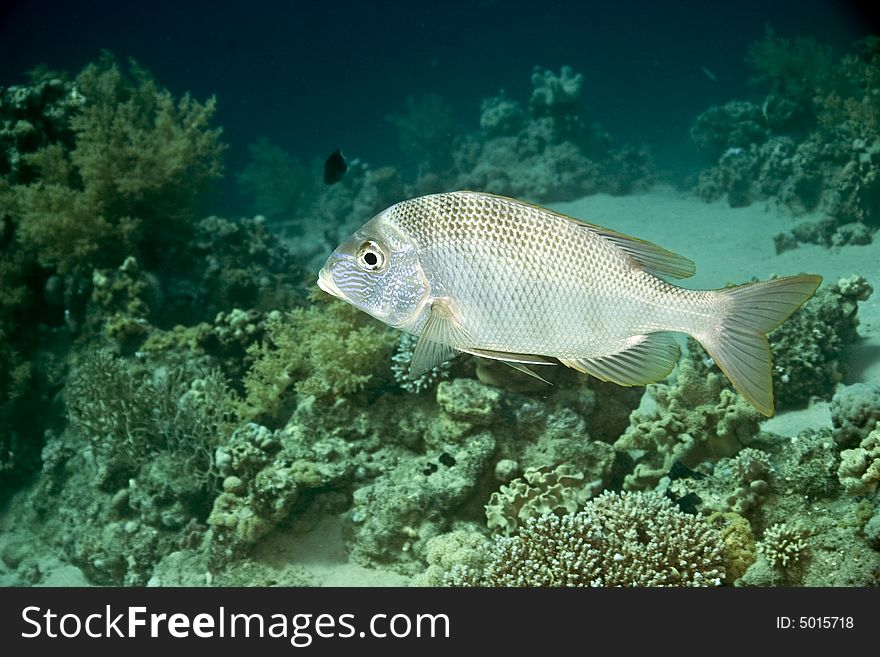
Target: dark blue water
(313,76)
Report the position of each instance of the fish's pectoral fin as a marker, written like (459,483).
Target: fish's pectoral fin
(649,358)
(441,339)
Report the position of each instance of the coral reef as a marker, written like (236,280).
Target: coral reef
(401,361)
(538,492)
(695,419)
(813,144)
(804,370)
(549,152)
(328,352)
(628,539)
(782,546)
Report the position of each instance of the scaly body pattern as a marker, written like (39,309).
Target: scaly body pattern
(498,278)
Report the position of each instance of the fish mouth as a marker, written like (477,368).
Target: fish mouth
(325,282)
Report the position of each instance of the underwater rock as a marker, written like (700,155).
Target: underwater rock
(268,477)
(736,125)
(501,116)
(469,401)
(393,517)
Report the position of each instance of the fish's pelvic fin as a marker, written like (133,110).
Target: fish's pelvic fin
(739,345)
(519,367)
(648,358)
(509,356)
(441,339)
(516,361)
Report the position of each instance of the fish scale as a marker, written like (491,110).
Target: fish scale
(499,278)
(523,281)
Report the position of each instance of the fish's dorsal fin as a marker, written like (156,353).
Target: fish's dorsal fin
(648,359)
(440,340)
(652,258)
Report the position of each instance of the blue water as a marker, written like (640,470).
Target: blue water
(314,76)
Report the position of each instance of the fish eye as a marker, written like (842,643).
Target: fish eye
(370,256)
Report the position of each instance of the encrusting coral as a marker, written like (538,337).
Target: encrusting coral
(697,418)
(859,470)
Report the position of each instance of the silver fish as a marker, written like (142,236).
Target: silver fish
(498,278)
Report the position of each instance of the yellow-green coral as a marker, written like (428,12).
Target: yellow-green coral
(738,543)
(326,350)
(138,162)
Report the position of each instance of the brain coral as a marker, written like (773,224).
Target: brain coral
(625,539)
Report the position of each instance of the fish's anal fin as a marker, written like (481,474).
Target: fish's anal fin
(647,359)
(441,339)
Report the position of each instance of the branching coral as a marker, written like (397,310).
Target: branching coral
(129,419)
(628,539)
(783,546)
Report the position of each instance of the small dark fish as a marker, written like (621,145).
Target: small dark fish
(334,168)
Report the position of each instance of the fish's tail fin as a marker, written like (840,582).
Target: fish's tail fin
(738,343)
